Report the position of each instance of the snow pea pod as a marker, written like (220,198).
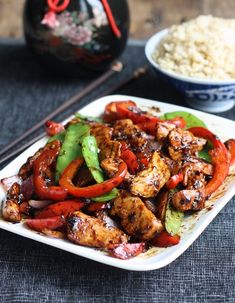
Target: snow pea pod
(90,154)
(71,147)
(88,118)
(106,197)
(60,136)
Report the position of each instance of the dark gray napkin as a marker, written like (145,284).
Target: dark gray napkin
(34,272)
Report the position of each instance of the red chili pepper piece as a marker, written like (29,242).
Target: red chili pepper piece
(164,239)
(230,145)
(143,160)
(129,158)
(48,223)
(219,157)
(40,166)
(174,181)
(92,190)
(127,251)
(63,208)
(96,206)
(53,128)
(150,126)
(135,114)
(110,112)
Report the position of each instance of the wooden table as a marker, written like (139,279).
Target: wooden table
(147,16)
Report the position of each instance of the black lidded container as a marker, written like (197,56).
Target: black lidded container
(80,41)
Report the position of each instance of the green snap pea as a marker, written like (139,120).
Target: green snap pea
(60,136)
(106,197)
(88,118)
(71,147)
(90,154)
(173,220)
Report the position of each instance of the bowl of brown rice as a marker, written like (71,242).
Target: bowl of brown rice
(197,57)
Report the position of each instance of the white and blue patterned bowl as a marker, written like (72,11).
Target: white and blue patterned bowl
(207,95)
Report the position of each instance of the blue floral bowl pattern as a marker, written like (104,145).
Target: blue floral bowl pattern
(207,95)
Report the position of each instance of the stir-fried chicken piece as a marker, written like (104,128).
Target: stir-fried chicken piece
(110,166)
(89,231)
(101,132)
(108,148)
(10,207)
(163,129)
(194,171)
(188,200)
(136,219)
(149,181)
(125,130)
(103,216)
(182,143)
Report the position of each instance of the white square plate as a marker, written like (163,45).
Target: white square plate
(155,258)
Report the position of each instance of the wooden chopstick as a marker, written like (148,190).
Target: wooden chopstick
(139,72)
(115,68)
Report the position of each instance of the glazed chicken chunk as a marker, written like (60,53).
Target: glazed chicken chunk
(136,219)
(182,142)
(108,147)
(149,181)
(89,231)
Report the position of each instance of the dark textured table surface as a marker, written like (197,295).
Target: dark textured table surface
(33,272)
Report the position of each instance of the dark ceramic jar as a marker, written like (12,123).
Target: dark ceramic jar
(83,38)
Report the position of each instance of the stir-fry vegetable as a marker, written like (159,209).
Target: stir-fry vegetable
(219,157)
(71,148)
(173,220)
(90,154)
(91,191)
(63,208)
(164,239)
(41,164)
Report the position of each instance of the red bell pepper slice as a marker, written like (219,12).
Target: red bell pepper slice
(53,128)
(174,181)
(63,208)
(40,167)
(96,206)
(129,158)
(110,112)
(143,160)
(164,239)
(127,251)
(135,114)
(48,223)
(92,190)
(219,158)
(230,145)
(150,126)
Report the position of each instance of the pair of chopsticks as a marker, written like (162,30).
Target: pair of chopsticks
(117,67)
